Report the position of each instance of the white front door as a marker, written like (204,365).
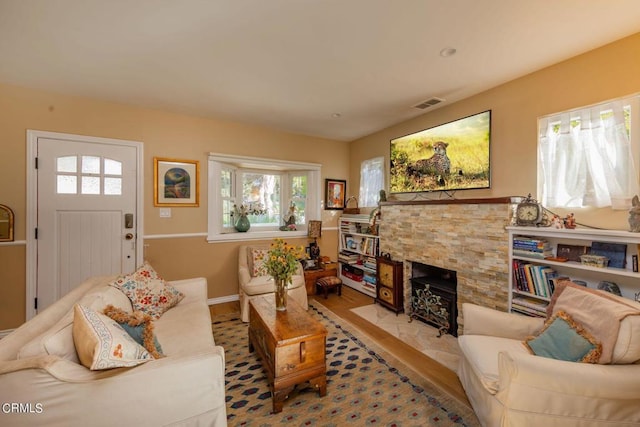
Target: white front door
(87,212)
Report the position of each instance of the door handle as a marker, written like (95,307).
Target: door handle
(128,236)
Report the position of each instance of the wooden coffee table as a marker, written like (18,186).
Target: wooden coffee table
(291,345)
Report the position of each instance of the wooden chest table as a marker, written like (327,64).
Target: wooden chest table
(291,345)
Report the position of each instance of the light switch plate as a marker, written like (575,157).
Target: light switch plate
(165,212)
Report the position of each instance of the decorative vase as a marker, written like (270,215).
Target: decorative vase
(243,225)
(281,294)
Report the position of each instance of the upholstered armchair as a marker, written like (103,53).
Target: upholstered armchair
(252,283)
(507,385)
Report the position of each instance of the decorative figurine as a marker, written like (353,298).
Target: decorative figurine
(557,222)
(634,215)
(570,221)
(290,219)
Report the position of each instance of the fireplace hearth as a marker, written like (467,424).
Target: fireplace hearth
(434,297)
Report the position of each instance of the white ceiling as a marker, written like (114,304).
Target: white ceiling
(293,64)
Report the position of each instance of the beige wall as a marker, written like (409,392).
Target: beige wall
(608,72)
(605,73)
(164,135)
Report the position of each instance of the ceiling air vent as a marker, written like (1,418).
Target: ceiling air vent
(429,103)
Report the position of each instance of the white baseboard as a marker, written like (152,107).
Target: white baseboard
(222,300)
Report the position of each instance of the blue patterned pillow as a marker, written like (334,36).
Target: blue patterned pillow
(563,339)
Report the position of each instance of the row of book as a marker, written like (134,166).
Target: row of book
(539,280)
(532,247)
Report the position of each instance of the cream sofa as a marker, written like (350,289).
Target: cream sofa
(250,286)
(39,368)
(509,386)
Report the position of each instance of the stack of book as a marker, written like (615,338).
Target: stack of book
(531,247)
(529,306)
(348,257)
(370,262)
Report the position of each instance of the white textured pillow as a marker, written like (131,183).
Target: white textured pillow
(102,344)
(105,295)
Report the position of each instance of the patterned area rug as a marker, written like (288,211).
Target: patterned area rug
(365,385)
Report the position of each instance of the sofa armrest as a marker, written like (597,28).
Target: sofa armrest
(480,320)
(194,289)
(551,391)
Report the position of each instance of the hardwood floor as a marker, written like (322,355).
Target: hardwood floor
(441,376)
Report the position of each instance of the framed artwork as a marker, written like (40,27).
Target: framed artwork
(176,182)
(571,252)
(335,191)
(616,252)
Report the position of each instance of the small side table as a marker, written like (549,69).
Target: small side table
(311,276)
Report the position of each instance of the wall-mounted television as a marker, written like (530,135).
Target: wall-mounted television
(451,156)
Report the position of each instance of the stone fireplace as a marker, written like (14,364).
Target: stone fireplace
(467,236)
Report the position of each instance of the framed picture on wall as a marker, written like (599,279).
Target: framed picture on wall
(335,193)
(176,182)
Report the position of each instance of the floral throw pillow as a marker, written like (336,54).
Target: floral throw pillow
(148,292)
(257,258)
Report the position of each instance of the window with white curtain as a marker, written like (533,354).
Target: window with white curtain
(587,157)
(371,181)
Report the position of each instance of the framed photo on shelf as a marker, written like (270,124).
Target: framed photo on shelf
(176,182)
(335,191)
(571,252)
(616,252)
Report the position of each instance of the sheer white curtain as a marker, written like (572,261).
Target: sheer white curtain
(585,158)
(371,181)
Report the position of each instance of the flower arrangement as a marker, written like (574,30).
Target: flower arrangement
(251,209)
(282,260)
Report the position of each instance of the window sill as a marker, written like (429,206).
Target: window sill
(255,235)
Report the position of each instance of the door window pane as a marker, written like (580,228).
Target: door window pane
(67,164)
(90,164)
(90,185)
(113,186)
(66,184)
(112,167)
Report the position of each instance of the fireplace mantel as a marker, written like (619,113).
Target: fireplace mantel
(494,200)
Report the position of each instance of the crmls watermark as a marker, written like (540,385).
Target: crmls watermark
(22,408)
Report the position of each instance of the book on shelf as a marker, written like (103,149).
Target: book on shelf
(532,278)
(533,254)
(527,311)
(532,248)
(348,257)
(532,303)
